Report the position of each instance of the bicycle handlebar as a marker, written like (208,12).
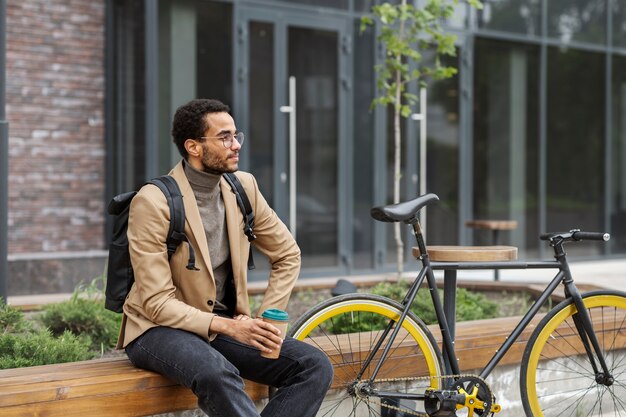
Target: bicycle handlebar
(576,235)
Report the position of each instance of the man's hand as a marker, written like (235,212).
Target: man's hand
(253,332)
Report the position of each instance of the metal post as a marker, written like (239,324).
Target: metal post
(152,88)
(4,160)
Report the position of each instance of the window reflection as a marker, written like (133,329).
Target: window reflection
(575,143)
(214,34)
(518,16)
(618,197)
(128,139)
(577,20)
(442,156)
(506,140)
(261,107)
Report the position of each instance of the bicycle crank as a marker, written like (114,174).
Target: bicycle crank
(479,400)
(468,392)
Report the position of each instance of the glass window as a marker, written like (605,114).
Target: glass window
(214,51)
(363,6)
(363,149)
(518,16)
(619,23)
(128,80)
(506,140)
(618,197)
(314,62)
(442,158)
(261,107)
(577,20)
(575,143)
(391,149)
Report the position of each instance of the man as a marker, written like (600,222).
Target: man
(195,326)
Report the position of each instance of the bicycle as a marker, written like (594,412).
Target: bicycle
(388,363)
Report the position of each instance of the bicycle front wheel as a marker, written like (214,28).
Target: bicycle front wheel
(347,328)
(557,378)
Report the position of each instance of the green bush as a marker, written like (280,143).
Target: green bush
(469,305)
(84,314)
(12,320)
(22,345)
(41,348)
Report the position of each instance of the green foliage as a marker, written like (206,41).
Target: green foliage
(407,33)
(12,320)
(469,305)
(41,348)
(22,345)
(84,314)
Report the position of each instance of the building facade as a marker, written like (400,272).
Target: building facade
(532,129)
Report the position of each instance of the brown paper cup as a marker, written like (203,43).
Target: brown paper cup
(282,326)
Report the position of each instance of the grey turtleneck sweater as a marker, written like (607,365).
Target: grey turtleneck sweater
(206,189)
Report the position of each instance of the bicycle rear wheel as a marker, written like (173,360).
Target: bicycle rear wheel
(347,328)
(556,375)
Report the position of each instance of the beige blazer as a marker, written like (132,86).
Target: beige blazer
(166,293)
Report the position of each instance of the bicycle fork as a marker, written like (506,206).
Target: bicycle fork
(583,324)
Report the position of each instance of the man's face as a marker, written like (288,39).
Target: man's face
(216,158)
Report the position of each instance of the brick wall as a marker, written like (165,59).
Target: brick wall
(55,110)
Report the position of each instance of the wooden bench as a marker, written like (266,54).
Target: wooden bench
(102,387)
(114,387)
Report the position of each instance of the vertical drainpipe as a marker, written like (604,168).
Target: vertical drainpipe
(4,160)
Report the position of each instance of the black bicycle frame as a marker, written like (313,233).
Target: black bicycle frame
(581,318)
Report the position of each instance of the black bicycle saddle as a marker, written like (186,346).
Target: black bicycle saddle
(402,212)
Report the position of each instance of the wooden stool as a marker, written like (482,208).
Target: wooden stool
(495,226)
(462,254)
(469,253)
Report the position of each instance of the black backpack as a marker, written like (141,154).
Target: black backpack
(120,276)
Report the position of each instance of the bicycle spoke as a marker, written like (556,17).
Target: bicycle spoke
(563,380)
(347,329)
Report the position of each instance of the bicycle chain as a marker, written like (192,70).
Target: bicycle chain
(415,378)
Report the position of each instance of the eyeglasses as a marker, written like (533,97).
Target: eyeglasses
(227,138)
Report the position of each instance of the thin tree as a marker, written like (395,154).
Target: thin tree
(406,33)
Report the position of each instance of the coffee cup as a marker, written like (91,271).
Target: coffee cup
(279,319)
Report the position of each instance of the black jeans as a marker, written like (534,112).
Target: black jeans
(214,372)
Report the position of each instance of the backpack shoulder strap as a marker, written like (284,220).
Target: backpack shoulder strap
(244,205)
(246,209)
(176,233)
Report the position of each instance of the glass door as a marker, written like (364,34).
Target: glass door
(292,97)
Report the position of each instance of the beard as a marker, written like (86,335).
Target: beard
(214,164)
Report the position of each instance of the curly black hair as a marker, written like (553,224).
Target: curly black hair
(189,121)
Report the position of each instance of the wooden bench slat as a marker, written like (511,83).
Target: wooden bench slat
(150,402)
(79,386)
